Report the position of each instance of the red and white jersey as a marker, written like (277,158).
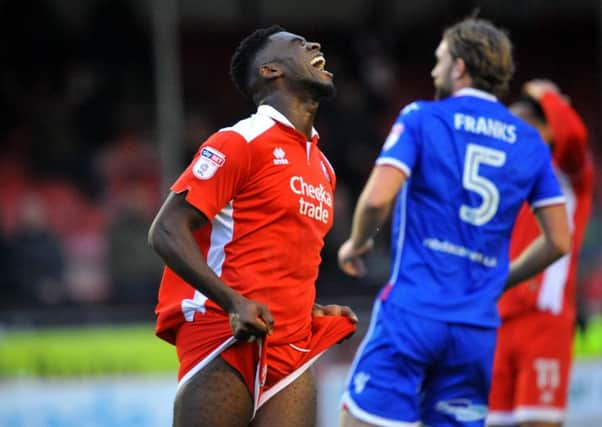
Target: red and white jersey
(268,195)
(554,290)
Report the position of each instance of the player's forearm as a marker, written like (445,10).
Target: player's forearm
(367,220)
(180,252)
(569,133)
(533,260)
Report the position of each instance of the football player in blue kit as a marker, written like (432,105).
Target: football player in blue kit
(454,172)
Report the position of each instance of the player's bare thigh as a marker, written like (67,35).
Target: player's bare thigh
(293,406)
(215,397)
(348,420)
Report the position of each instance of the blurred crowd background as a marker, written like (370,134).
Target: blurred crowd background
(103,101)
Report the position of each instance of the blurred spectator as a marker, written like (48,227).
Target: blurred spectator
(133,268)
(36,255)
(197,128)
(8,290)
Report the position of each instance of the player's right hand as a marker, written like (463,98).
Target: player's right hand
(250,319)
(350,260)
(536,88)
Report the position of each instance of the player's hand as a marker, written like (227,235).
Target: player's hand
(350,260)
(319,310)
(538,87)
(250,319)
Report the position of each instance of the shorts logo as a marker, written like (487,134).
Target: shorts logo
(359,382)
(280,156)
(548,378)
(208,162)
(462,410)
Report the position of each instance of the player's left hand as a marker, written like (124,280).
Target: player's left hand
(350,260)
(319,310)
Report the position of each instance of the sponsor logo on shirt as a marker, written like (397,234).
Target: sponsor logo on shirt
(280,156)
(208,162)
(314,201)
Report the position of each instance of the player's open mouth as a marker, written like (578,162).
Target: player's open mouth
(319,62)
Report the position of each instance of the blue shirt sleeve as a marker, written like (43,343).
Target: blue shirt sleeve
(546,189)
(402,146)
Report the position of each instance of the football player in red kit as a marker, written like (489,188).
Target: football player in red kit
(534,350)
(241,235)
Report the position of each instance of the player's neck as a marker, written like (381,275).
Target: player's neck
(462,83)
(300,112)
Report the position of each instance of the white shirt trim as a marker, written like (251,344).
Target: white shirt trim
(470,91)
(559,200)
(389,161)
(272,113)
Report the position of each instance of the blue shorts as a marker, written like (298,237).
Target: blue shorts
(412,369)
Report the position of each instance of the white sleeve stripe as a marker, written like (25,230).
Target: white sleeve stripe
(548,202)
(395,163)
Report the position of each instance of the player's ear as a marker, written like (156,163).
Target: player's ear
(270,71)
(458,68)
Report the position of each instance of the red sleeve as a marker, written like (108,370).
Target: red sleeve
(569,134)
(217,172)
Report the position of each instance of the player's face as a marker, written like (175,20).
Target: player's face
(303,63)
(442,72)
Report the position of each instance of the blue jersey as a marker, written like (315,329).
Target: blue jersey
(470,165)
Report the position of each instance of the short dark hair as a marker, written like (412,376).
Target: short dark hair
(486,51)
(244,54)
(533,107)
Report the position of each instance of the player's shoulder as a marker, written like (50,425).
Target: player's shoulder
(415,108)
(414,112)
(250,128)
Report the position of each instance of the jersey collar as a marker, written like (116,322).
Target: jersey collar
(470,91)
(274,114)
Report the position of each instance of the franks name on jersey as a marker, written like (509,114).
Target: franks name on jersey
(468,176)
(485,126)
(312,200)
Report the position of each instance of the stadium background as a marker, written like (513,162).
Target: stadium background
(102,102)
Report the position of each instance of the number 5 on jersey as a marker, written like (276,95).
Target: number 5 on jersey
(472,181)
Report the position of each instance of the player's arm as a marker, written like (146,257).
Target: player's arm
(172,236)
(568,130)
(371,212)
(553,243)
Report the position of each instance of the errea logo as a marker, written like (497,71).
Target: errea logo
(280,156)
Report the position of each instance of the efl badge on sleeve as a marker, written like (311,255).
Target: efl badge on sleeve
(209,160)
